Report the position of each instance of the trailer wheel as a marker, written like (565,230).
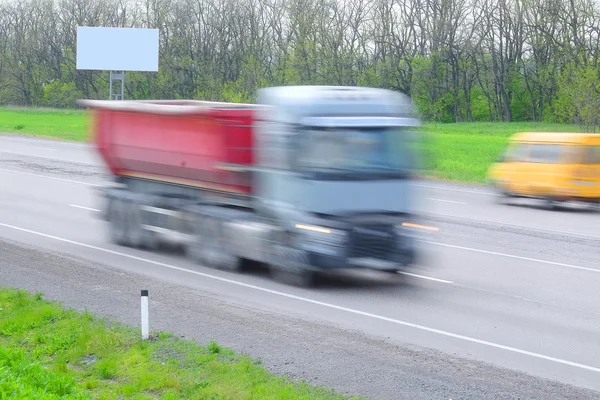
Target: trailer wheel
(290,266)
(150,240)
(116,220)
(210,246)
(210,242)
(229,259)
(225,256)
(195,249)
(135,233)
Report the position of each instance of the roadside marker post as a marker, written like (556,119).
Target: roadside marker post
(145,325)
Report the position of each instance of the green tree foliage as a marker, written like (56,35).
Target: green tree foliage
(579,96)
(473,60)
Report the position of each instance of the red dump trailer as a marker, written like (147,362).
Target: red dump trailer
(189,143)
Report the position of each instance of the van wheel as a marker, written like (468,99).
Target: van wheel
(551,203)
(503,197)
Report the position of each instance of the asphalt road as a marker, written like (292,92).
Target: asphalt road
(506,305)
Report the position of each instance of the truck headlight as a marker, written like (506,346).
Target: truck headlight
(323,234)
(413,229)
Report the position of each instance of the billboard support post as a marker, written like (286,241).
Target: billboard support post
(117,77)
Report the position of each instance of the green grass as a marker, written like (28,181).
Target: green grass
(56,124)
(464,151)
(47,352)
(456,152)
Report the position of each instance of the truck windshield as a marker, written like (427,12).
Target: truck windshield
(359,152)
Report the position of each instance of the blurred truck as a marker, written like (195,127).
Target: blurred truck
(310,178)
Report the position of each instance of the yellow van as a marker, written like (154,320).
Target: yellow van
(555,167)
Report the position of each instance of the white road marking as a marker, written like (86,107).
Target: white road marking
(29,139)
(319,303)
(84,208)
(473,191)
(424,277)
(446,201)
(525,299)
(495,253)
(424,214)
(49,177)
(18,153)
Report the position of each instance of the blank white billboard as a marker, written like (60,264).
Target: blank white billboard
(117,49)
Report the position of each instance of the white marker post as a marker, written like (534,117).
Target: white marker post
(145,325)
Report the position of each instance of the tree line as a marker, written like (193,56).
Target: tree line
(460,60)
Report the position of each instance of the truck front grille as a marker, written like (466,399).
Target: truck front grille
(372,241)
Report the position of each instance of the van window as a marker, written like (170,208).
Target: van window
(573,154)
(517,153)
(592,155)
(545,153)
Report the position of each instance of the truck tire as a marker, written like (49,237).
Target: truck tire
(135,233)
(228,260)
(291,266)
(210,246)
(210,242)
(195,249)
(150,240)
(117,224)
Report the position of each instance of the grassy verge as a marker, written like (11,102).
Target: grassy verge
(457,152)
(47,352)
(56,124)
(464,151)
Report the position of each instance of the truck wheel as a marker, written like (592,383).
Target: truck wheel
(135,233)
(227,259)
(195,249)
(210,242)
(210,248)
(290,266)
(150,240)
(117,223)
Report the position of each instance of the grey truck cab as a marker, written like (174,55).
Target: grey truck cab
(335,166)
